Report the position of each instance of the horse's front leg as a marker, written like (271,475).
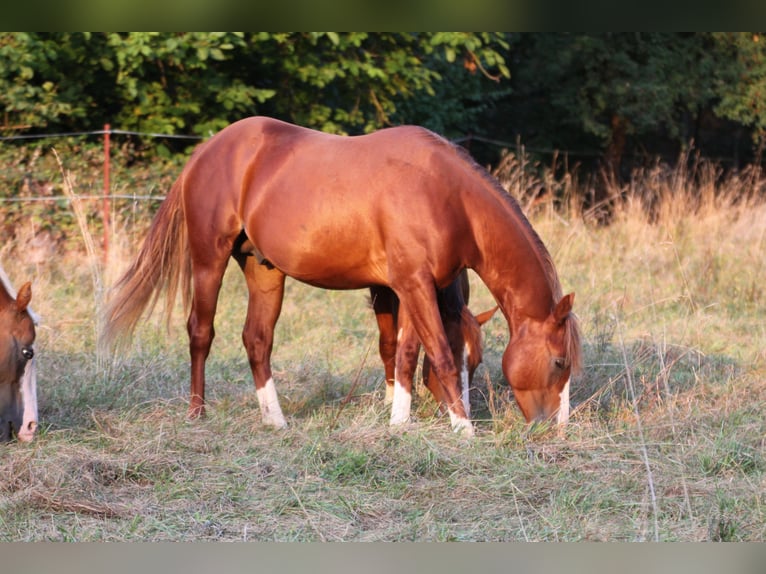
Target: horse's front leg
(418,304)
(266,288)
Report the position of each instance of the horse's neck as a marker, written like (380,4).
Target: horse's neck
(513,263)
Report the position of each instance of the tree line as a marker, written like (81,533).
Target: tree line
(610,100)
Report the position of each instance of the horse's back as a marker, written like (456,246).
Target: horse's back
(282,154)
(332,210)
(328,209)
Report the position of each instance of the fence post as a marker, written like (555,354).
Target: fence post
(107,203)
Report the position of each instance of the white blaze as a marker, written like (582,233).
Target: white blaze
(563,414)
(29,398)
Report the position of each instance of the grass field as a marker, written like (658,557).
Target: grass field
(666,440)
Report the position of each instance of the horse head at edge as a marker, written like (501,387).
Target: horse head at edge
(18,401)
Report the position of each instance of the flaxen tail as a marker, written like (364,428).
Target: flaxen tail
(162,264)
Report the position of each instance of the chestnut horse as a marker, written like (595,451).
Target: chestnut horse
(462,328)
(18,378)
(401,208)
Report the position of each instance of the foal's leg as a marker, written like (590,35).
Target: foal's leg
(266,287)
(453,328)
(418,304)
(407,349)
(384,303)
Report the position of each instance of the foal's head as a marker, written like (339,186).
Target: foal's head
(539,361)
(17,335)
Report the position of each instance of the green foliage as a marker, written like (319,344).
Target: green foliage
(742,82)
(198,82)
(597,95)
(596,83)
(35,78)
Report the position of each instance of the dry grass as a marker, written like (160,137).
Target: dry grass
(667,434)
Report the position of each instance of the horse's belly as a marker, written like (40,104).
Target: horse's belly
(329,238)
(328,262)
(330,273)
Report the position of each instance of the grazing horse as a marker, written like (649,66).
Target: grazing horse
(400,208)
(18,377)
(462,328)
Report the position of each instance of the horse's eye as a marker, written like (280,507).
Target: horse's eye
(559,363)
(28,353)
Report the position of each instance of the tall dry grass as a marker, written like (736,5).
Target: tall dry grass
(667,433)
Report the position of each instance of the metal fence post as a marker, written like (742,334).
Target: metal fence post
(107,203)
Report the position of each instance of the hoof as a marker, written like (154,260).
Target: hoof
(276,421)
(399,421)
(462,426)
(197,412)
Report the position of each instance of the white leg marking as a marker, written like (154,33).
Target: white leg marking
(563,414)
(29,398)
(464,383)
(401,404)
(269,403)
(389,393)
(460,425)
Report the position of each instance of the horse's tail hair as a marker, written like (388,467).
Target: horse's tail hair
(163,264)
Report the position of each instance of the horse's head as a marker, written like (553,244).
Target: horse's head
(539,361)
(17,337)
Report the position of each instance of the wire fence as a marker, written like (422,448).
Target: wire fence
(103,215)
(105,134)
(98,133)
(107,196)
(108,131)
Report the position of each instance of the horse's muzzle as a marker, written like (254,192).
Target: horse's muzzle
(27,432)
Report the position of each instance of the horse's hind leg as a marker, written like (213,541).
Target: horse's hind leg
(385,303)
(266,287)
(407,349)
(207,284)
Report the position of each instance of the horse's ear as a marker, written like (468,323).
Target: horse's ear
(24,297)
(482,318)
(563,308)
